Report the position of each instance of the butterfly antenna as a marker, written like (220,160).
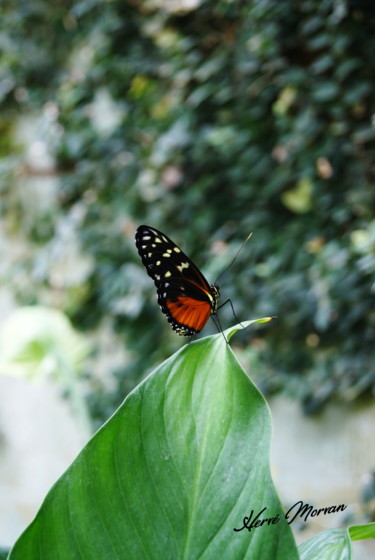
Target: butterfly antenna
(235,257)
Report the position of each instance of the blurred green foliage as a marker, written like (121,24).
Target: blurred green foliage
(208,120)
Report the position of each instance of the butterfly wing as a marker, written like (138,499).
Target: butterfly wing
(184,295)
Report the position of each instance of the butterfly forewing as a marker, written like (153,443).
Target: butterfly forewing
(184,295)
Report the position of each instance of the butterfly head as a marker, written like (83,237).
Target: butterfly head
(215,293)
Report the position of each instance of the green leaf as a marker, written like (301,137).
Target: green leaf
(325,92)
(335,544)
(299,199)
(37,340)
(360,532)
(170,476)
(232,330)
(284,101)
(328,545)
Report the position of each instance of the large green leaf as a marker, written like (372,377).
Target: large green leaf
(171,474)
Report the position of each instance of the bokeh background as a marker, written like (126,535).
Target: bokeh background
(207,119)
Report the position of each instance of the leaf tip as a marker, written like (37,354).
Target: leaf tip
(228,333)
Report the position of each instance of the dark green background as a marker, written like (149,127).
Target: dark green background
(233,117)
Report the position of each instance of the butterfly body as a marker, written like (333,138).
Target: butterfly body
(184,295)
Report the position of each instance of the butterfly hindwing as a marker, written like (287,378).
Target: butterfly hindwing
(184,295)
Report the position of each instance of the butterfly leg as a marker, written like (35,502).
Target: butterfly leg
(234,315)
(216,320)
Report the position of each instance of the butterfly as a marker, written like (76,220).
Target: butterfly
(184,295)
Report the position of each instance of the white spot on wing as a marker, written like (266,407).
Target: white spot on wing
(182,266)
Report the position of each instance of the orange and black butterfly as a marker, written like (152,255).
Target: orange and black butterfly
(184,295)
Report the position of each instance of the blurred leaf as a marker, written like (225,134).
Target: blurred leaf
(38,341)
(329,545)
(360,532)
(335,544)
(325,91)
(299,199)
(284,101)
(322,64)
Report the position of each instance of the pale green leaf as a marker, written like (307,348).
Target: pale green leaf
(328,545)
